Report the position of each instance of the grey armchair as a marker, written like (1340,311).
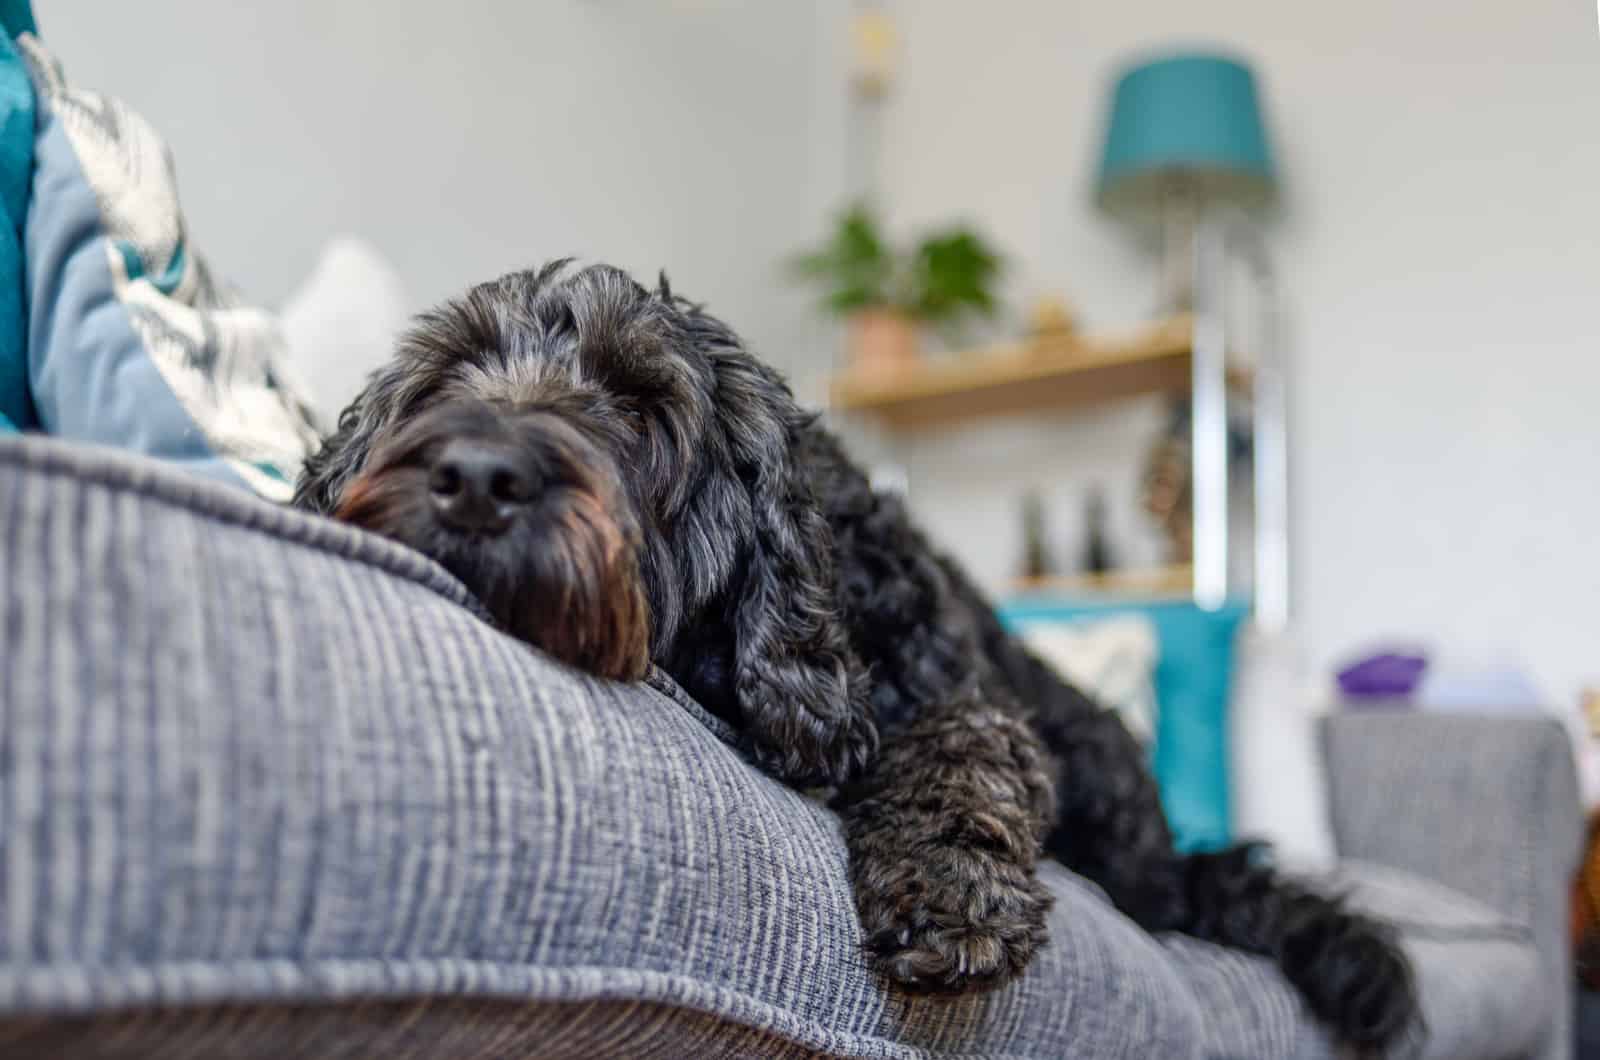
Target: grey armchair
(1487,806)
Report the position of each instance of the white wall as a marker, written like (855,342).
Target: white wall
(1441,249)
(468,139)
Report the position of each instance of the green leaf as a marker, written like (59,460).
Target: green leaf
(853,268)
(954,273)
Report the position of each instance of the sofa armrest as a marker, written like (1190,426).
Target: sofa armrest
(1487,806)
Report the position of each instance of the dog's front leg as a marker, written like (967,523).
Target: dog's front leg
(944,831)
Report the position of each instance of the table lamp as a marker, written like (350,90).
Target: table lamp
(1184,134)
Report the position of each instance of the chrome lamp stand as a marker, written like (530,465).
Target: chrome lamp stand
(1222,239)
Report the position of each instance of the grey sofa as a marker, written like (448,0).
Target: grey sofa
(270,787)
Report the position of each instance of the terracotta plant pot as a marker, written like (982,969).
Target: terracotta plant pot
(883,342)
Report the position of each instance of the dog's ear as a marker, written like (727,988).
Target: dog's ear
(345,451)
(800,689)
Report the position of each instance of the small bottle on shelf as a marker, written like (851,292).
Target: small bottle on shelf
(1037,563)
(1097,555)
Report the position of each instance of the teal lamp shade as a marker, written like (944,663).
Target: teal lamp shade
(1190,123)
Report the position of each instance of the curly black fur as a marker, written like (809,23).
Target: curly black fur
(691,514)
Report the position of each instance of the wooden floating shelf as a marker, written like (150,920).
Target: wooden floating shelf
(1175,580)
(1029,377)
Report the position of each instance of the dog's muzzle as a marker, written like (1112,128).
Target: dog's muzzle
(527,511)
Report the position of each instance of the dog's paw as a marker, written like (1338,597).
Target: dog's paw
(950,919)
(944,834)
(1358,982)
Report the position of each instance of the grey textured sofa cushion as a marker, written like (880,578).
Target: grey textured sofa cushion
(255,756)
(268,764)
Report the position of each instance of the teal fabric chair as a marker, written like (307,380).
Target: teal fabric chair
(1193,683)
(16,173)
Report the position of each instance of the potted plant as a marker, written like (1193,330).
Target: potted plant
(887,296)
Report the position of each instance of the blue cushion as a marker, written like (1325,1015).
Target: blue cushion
(1193,680)
(132,341)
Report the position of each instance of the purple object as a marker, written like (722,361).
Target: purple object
(1387,675)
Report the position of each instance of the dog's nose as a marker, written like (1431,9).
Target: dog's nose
(476,486)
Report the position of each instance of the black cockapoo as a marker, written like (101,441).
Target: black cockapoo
(622,483)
